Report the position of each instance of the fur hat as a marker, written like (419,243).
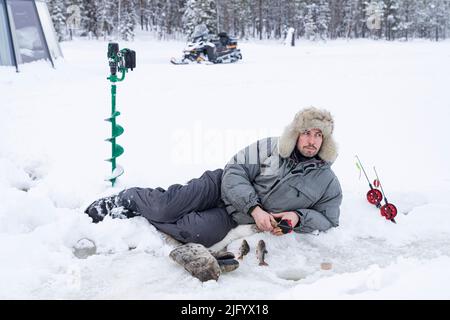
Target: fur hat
(306,119)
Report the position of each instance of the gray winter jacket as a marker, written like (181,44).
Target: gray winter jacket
(258,175)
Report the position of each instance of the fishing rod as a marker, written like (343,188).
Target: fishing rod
(374,196)
(388,210)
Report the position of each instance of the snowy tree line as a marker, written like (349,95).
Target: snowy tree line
(97,18)
(259,19)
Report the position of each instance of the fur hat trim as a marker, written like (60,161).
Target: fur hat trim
(306,119)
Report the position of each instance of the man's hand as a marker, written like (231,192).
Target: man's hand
(264,220)
(287,215)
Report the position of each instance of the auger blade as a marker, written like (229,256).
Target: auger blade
(117,131)
(117,172)
(113,116)
(118,151)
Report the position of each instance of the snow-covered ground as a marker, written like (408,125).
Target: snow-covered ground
(391,103)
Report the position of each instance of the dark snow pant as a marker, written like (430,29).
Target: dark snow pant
(193,212)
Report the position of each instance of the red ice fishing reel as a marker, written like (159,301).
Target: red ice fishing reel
(375,196)
(389,211)
(285,225)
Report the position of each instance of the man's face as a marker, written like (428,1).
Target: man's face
(309,142)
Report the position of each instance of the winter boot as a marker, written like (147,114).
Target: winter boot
(226,260)
(108,206)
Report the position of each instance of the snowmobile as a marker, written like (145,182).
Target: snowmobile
(210,50)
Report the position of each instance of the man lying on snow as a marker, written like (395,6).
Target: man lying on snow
(280,184)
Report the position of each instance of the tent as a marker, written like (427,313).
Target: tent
(26,33)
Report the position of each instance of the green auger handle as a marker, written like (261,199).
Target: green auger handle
(119,61)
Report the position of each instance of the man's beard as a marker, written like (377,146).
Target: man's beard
(309,151)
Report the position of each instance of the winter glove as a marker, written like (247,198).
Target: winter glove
(197,260)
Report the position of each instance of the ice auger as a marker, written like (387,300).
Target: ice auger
(119,61)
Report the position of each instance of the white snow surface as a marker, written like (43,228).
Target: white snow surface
(391,103)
